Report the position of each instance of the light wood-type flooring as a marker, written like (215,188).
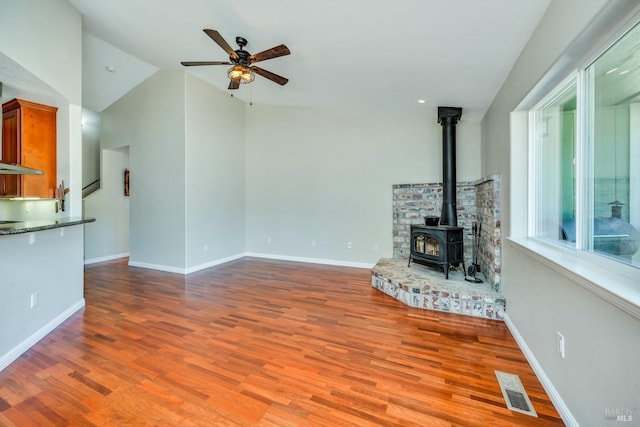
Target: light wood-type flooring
(263,342)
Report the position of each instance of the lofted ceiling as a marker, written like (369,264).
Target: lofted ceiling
(17,82)
(361,55)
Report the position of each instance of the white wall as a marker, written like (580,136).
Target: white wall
(44,37)
(108,237)
(36,34)
(90,146)
(215,174)
(53,270)
(186,153)
(239,175)
(601,369)
(326,176)
(150,119)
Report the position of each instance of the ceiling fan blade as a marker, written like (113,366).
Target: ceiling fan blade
(271,76)
(274,52)
(234,84)
(216,37)
(194,63)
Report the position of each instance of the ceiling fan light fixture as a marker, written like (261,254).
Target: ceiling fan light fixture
(242,70)
(241,73)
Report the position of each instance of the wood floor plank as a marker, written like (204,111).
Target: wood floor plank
(265,343)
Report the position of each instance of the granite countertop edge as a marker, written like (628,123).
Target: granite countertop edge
(29,226)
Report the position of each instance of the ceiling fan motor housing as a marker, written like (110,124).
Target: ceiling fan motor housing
(241,41)
(244,58)
(242,61)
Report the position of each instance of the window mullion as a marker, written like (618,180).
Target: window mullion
(580,160)
(533,174)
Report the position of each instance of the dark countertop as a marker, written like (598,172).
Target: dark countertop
(40,224)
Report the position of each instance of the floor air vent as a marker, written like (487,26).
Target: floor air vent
(514,394)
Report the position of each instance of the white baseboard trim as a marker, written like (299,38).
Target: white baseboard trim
(311,260)
(25,345)
(219,261)
(105,258)
(555,397)
(189,270)
(158,267)
(214,263)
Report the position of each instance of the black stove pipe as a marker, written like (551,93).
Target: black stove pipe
(448,117)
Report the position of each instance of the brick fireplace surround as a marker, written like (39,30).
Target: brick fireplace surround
(424,287)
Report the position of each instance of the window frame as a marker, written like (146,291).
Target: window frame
(534,161)
(613,280)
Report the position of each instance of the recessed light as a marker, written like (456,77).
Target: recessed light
(421,101)
(612,70)
(624,72)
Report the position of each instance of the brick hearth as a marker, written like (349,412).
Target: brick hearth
(423,287)
(477,201)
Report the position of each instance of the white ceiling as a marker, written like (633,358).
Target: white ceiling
(362,55)
(17,82)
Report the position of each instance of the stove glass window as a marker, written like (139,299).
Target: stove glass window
(433,246)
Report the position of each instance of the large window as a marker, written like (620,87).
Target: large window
(586,157)
(554,129)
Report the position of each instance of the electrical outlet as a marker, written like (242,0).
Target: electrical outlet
(269,240)
(375,247)
(205,247)
(560,344)
(313,243)
(349,245)
(34,299)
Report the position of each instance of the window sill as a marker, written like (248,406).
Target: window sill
(597,275)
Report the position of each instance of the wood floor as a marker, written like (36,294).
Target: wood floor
(261,342)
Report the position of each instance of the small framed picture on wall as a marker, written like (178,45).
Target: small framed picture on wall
(126,182)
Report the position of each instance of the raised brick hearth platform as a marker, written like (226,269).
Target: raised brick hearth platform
(424,287)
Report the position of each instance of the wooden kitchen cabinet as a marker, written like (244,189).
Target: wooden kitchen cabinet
(29,139)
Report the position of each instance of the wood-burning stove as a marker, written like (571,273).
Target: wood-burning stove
(442,244)
(437,245)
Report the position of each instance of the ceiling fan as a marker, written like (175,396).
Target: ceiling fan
(242,70)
